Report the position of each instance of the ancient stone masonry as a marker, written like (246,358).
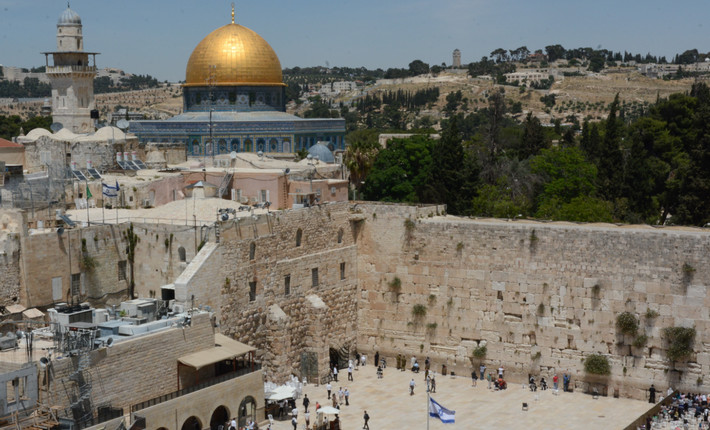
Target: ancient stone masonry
(289,289)
(11,224)
(540,297)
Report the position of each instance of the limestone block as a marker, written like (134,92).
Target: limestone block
(498,285)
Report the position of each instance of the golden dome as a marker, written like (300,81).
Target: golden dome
(239,56)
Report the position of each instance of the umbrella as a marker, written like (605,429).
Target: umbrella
(280,393)
(328,410)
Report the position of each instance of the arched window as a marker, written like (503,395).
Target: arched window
(299,235)
(219,417)
(235,145)
(181,254)
(260,145)
(192,423)
(286,146)
(252,250)
(248,145)
(273,145)
(247,411)
(340,236)
(222,146)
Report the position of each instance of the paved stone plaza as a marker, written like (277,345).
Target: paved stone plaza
(391,407)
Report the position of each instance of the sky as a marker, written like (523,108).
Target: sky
(156,37)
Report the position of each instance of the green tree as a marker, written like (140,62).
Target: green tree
(418,67)
(400,171)
(360,154)
(610,163)
(533,137)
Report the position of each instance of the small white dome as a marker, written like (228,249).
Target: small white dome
(69,17)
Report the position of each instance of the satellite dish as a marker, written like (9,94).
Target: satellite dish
(109,342)
(122,124)
(225,216)
(260,154)
(287,171)
(60,231)
(55,127)
(44,361)
(233,155)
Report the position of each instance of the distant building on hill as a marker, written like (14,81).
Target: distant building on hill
(457,58)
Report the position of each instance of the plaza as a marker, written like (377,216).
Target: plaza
(390,406)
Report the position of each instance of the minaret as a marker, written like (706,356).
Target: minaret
(71,76)
(457,58)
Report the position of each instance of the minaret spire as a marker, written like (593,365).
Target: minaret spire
(232,12)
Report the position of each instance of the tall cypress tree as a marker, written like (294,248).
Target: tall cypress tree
(610,162)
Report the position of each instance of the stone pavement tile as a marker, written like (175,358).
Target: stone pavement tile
(390,406)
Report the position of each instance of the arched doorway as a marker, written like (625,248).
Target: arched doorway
(192,423)
(220,417)
(273,145)
(287,146)
(222,147)
(247,411)
(260,145)
(248,145)
(235,145)
(195,147)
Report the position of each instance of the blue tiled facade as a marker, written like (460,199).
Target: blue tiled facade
(243,119)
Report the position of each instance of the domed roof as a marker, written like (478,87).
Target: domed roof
(69,17)
(322,152)
(239,56)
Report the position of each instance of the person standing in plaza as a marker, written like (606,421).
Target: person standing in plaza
(377,358)
(652,394)
(347,397)
(294,422)
(350,371)
(490,379)
(555,381)
(341,395)
(366,417)
(474,378)
(411,387)
(329,388)
(482,370)
(565,382)
(433,383)
(307,417)
(335,373)
(500,371)
(306,402)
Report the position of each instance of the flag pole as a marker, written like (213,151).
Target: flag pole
(428,403)
(88,221)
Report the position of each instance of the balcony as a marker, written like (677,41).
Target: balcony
(71,69)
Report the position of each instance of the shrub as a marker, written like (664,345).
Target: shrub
(597,364)
(680,342)
(395,284)
(651,314)
(419,310)
(640,341)
(432,326)
(627,323)
(409,225)
(480,352)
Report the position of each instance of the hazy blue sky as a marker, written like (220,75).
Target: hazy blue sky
(157,36)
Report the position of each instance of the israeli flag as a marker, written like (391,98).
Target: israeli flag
(110,191)
(437,411)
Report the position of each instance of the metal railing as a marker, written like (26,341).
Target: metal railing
(654,410)
(67,69)
(175,394)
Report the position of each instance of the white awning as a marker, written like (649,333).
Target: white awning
(225,349)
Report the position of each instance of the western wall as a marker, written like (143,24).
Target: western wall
(541,296)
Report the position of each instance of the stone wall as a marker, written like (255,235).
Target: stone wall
(145,367)
(540,296)
(49,255)
(308,320)
(12,222)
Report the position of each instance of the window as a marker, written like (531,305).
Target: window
(122,270)
(252,291)
(340,236)
(181,254)
(75,284)
(299,235)
(314,277)
(252,250)
(287,285)
(342,270)
(57,288)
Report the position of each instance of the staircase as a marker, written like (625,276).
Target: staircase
(224,184)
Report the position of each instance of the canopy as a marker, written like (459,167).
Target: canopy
(225,349)
(281,393)
(329,410)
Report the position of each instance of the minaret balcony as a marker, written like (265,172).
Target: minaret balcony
(71,69)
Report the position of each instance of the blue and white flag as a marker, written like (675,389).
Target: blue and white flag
(437,411)
(110,191)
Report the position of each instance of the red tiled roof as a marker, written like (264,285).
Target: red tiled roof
(7,144)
